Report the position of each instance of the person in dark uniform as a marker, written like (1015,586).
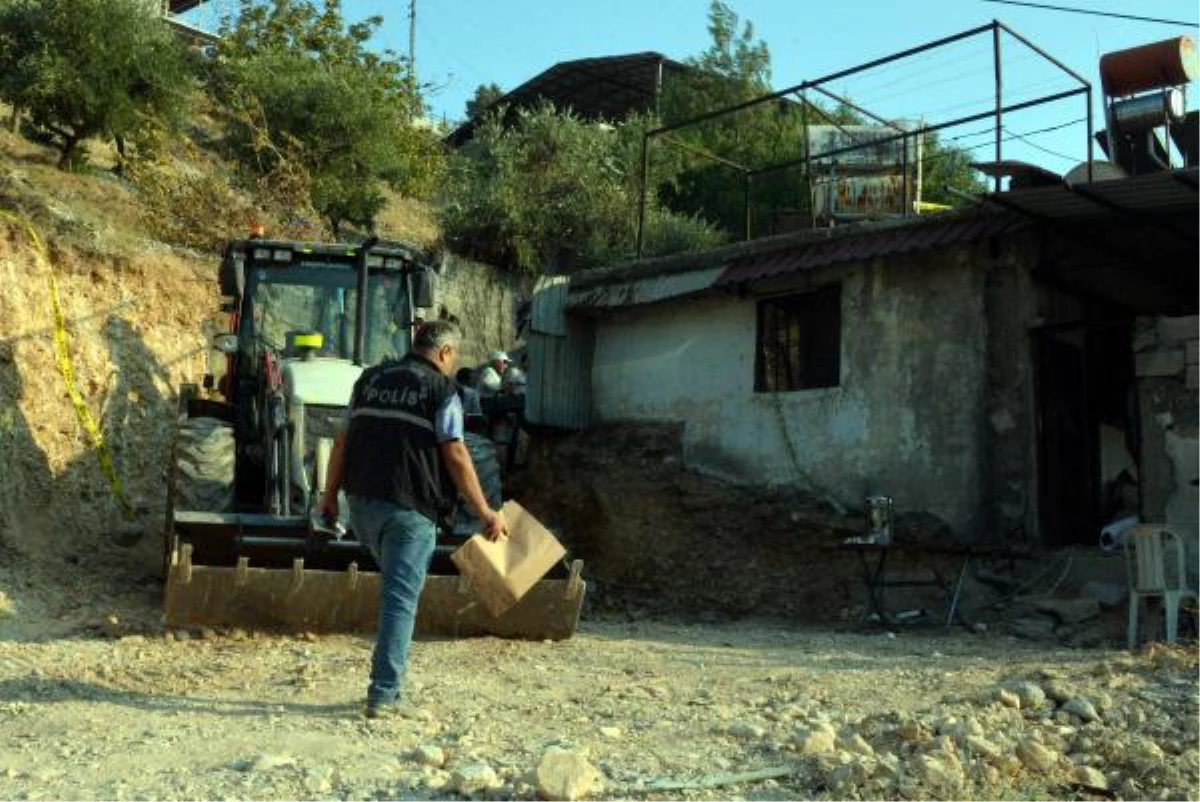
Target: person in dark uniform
(483,456)
(401,460)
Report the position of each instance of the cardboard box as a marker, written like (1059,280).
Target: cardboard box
(503,571)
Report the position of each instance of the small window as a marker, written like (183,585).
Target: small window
(799,341)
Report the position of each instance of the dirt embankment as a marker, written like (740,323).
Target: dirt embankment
(659,538)
(97,330)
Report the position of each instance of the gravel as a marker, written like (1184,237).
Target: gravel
(744,710)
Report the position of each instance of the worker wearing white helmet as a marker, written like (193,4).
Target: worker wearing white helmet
(491,375)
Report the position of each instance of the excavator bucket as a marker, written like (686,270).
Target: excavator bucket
(315,600)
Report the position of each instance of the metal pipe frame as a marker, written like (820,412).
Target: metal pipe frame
(695,151)
(833,76)
(812,215)
(641,223)
(927,129)
(1023,40)
(851,104)
(995,27)
(1083,81)
(642,202)
(747,173)
(998,73)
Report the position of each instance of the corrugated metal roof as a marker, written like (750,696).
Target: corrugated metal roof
(644,289)
(863,245)
(1156,193)
(559,392)
(603,87)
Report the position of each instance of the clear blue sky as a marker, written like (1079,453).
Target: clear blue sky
(461,44)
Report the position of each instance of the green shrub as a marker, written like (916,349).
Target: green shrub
(554,193)
(296,78)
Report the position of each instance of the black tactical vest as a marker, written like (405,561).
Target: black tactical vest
(391,444)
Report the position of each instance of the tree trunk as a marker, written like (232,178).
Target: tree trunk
(68,150)
(121,155)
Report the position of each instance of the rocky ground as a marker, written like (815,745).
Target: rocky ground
(626,709)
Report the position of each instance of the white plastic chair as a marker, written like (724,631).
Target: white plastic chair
(1154,557)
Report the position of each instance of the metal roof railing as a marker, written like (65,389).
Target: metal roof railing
(995,113)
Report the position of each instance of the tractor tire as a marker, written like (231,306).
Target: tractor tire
(202,473)
(204,460)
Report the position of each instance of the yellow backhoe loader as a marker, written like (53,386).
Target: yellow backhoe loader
(244,544)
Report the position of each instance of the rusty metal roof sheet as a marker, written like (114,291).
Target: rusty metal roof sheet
(860,246)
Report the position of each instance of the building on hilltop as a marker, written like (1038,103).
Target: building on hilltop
(602,88)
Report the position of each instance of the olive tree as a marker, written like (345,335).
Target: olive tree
(89,68)
(547,190)
(301,83)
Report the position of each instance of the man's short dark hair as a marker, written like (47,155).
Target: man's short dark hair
(435,334)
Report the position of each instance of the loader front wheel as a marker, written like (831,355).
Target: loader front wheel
(202,472)
(204,457)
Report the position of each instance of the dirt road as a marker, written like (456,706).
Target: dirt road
(650,705)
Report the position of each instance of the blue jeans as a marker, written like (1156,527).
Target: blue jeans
(401,541)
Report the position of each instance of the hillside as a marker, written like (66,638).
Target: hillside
(131,312)
(128,265)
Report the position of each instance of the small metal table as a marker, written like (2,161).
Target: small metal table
(873,557)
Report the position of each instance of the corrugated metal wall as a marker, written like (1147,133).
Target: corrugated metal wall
(559,392)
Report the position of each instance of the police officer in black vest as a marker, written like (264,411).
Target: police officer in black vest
(401,461)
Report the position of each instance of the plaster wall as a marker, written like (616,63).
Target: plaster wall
(908,419)
(1009,495)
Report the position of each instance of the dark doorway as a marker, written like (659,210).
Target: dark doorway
(1086,430)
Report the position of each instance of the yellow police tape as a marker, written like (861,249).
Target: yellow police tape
(62,355)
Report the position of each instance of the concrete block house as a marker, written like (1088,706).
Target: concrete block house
(1025,371)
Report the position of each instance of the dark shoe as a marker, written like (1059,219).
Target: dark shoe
(396,709)
(376,710)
